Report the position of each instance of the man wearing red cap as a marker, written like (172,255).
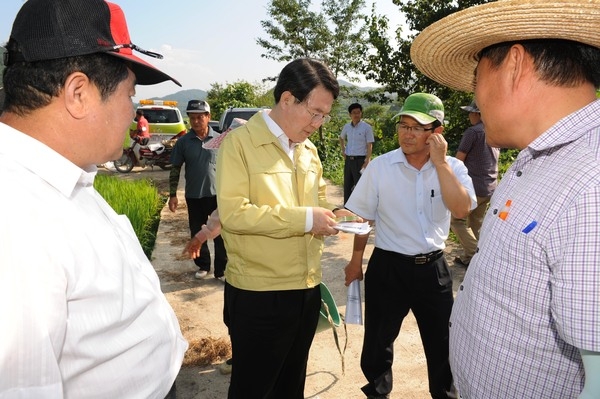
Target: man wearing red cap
(80,304)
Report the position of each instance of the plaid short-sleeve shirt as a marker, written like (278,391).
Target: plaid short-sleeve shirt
(531,296)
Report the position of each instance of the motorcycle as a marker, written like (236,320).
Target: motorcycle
(149,155)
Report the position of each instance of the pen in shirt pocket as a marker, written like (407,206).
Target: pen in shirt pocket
(529,227)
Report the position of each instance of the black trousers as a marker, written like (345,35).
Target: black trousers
(394,285)
(271,334)
(198,211)
(352,167)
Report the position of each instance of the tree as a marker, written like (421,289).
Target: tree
(391,66)
(330,35)
(238,94)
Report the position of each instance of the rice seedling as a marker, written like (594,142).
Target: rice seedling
(139,200)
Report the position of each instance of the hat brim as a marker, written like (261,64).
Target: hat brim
(446,51)
(145,73)
(420,117)
(196,111)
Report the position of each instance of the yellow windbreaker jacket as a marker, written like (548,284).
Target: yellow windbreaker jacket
(262,199)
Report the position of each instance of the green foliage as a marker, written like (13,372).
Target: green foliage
(238,94)
(327,141)
(296,32)
(390,65)
(139,201)
(331,156)
(507,157)
(330,35)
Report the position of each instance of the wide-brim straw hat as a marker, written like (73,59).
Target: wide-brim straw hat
(446,50)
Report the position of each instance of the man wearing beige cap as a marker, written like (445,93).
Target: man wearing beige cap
(526,321)
(81,308)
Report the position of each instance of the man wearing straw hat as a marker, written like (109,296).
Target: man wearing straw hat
(526,322)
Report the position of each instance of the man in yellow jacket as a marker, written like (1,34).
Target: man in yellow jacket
(275,215)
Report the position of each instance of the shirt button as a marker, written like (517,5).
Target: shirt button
(519,173)
(462,287)
(495,211)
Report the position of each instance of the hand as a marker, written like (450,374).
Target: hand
(353,271)
(173,202)
(323,222)
(192,248)
(437,148)
(346,212)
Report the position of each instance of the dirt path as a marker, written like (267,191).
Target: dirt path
(199,304)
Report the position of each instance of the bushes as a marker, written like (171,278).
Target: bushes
(139,200)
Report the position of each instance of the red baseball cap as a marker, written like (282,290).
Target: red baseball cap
(52,29)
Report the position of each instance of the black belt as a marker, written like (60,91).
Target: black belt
(355,157)
(422,259)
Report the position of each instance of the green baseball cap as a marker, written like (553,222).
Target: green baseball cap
(425,108)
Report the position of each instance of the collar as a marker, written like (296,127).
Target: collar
(210,134)
(44,162)
(397,156)
(569,128)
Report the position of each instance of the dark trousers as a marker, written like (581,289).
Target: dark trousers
(198,211)
(271,334)
(394,285)
(352,167)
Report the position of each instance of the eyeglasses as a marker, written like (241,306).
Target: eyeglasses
(417,130)
(316,118)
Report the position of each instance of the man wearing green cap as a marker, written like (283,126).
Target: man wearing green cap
(410,193)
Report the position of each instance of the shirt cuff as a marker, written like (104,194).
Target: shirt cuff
(308,224)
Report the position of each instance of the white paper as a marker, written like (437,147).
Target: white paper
(354,304)
(353,227)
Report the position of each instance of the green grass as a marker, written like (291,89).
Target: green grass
(137,199)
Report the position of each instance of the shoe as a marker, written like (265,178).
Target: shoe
(378,397)
(200,274)
(221,278)
(459,261)
(225,367)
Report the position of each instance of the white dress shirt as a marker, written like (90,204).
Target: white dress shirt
(82,314)
(405,203)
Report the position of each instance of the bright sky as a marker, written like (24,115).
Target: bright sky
(202,41)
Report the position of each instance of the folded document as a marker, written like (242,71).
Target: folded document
(353,227)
